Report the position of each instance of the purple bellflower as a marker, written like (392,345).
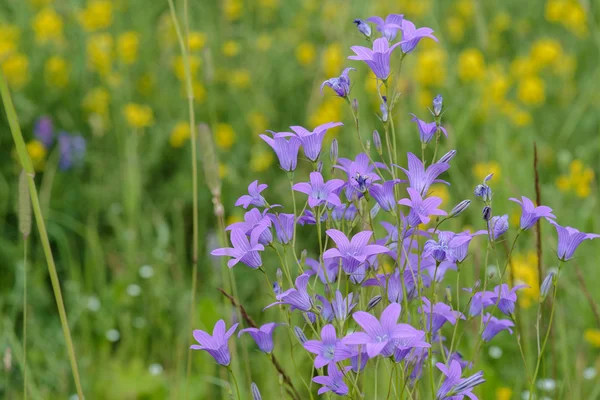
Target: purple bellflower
(363,27)
(312,142)
(44,131)
(325,309)
(309,218)
(421,209)
(384,194)
(353,252)
(427,130)
(497,226)
(331,266)
(341,84)
(253,198)
(285,149)
(344,212)
(420,178)
(215,345)
(412,36)
(410,338)
(531,214)
(320,192)
(360,167)
(440,314)
(506,298)
(329,349)
(333,382)
(72,150)
(243,250)
(297,298)
(391,283)
(455,387)
(342,307)
(569,239)
(378,59)
(359,358)
(479,302)
(390,27)
(445,246)
(284,226)
(494,326)
(263,336)
(253,219)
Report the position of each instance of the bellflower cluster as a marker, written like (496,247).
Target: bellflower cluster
(367,263)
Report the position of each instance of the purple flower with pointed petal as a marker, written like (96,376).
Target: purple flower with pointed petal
(506,298)
(412,36)
(569,239)
(494,326)
(297,298)
(442,313)
(378,335)
(320,192)
(377,59)
(531,214)
(331,266)
(362,167)
(329,349)
(325,309)
(286,149)
(253,197)
(243,250)
(479,302)
(421,179)
(345,211)
(313,141)
(284,226)
(252,219)
(390,27)
(343,306)
(427,130)
(341,84)
(497,226)
(353,253)
(389,282)
(263,336)
(215,345)
(420,209)
(44,131)
(309,218)
(460,252)
(444,248)
(384,194)
(409,339)
(333,382)
(455,387)
(72,150)
(359,358)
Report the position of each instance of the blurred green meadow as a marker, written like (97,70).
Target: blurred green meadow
(120,221)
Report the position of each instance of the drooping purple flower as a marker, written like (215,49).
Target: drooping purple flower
(420,178)
(479,301)
(333,382)
(320,192)
(297,298)
(44,131)
(342,307)
(72,150)
(285,149)
(344,212)
(253,197)
(409,339)
(421,209)
(445,246)
(506,298)
(284,226)
(546,285)
(455,387)
(439,315)
(412,36)
(312,142)
(331,266)
(215,345)
(360,167)
(363,27)
(460,252)
(341,84)
(309,218)
(252,219)
(384,194)
(569,239)
(390,27)
(263,336)
(497,226)
(531,214)
(391,283)
(359,358)
(329,349)
(427,130)
(415,361)
(325,309)
(352,253)
(243,250)
(494,326)
(378,59)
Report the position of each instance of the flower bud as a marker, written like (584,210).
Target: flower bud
(477,284)
(486,213)
(300,334)
(320,166)
(448,294)
(547,284)
(303,257)
(333,152)
(384,109)
(279,276)
(377,142)
(276,288)
(355,105)
(448,156)
(459,208)
(373,302)
(437,105)
(363,27)
(483,191)
(255,392)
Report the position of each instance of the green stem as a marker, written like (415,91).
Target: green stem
(25,161)
(237,388)
(25,318)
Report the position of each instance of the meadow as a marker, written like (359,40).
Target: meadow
(102,95)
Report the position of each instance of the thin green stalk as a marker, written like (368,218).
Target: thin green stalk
(25,161)
(25,319)
(237,388)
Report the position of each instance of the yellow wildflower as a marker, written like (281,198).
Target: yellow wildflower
(592,336)
(180,134)
(196,40)
(40,3)
(261,160)
(264,42)
(440,190)
(555,9)
(501,21)
(37,154)
(9,38)
(545,52)
(563,183)
(48,26)
(96,101)
(417,8)
(138,116)
(498,86)
(56,72)
(521,118)
(579,180)
(566,67)
(16,70)
(258,122)
(531,91)
(504,393)
(268,3)
(306,53)
(329,110)
(333,59)
(431,67)
(424,98)
(128,44)
(179,66)
(371,86)
(223,171)
(100,53)
(97,15)
(525,272)
(241,78)
(199,92)
(465,8)
(225,136)
(471,65)
(231,48)
(523,66)
(481,170)
(574,18)
(233,9)
(231,219)
(456,28)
